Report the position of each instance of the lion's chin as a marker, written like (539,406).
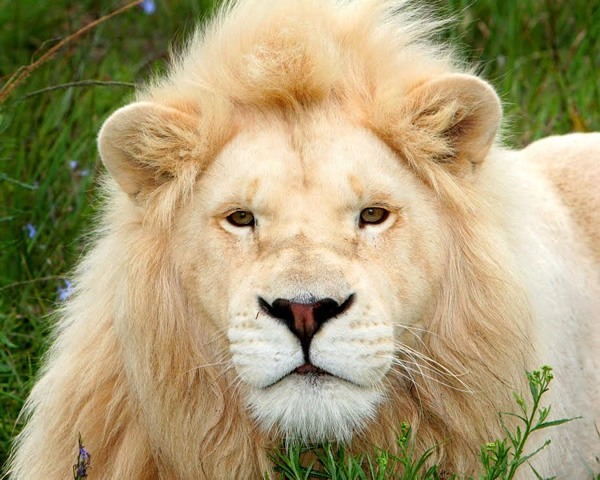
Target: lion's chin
(314,407)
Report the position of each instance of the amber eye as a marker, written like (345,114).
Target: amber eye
(373,216)
(241,218)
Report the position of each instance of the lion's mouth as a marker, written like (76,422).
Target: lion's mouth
(310,369)
(311,373)
(306,370)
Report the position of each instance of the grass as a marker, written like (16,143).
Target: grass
(541,56)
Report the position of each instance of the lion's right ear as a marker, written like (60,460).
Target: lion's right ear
(458,113)
(143,144)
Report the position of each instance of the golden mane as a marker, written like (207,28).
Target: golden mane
(293,54)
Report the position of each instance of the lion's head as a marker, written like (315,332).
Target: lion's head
(319,251)
(299,239)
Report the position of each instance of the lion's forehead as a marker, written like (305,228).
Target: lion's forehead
(327,163)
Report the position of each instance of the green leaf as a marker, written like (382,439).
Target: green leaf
(554,423)
(521,460)
(521,402)
(533,388)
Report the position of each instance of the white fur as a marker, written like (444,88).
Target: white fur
(315,408)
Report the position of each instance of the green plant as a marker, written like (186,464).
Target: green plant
(499,459)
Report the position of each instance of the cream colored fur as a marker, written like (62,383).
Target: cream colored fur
(306,112)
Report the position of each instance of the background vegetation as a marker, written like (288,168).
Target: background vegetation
(541,55)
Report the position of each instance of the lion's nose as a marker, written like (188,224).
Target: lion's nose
(305,319)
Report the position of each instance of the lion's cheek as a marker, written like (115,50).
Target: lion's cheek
(208,281)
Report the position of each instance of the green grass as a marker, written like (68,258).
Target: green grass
(541,56)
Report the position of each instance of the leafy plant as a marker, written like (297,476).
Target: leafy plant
(499,460)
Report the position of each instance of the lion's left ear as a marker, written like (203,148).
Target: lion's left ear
(144,144)
(463,112)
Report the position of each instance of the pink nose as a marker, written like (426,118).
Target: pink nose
(304,322)
(305,319)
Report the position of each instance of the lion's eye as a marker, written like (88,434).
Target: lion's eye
(241,218)
(373,216)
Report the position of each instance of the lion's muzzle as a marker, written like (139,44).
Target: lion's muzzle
(305,319)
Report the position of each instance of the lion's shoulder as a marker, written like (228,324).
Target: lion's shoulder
(572,164)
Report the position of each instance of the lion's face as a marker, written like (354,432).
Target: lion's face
(313,249)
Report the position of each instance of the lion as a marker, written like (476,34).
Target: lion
(313,232)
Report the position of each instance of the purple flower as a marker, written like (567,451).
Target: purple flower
(31,230)
(84,173)
(148,6)
(73,164)
(66,291)
(84,454)
(84,459)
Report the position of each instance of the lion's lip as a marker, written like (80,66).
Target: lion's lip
(309,368)
(306,369)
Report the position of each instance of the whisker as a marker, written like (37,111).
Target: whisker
(430,361)
(417,332)
(206,365)
(407,375)
(437,380)
(409,367)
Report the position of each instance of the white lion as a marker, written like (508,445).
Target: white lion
(312,232)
